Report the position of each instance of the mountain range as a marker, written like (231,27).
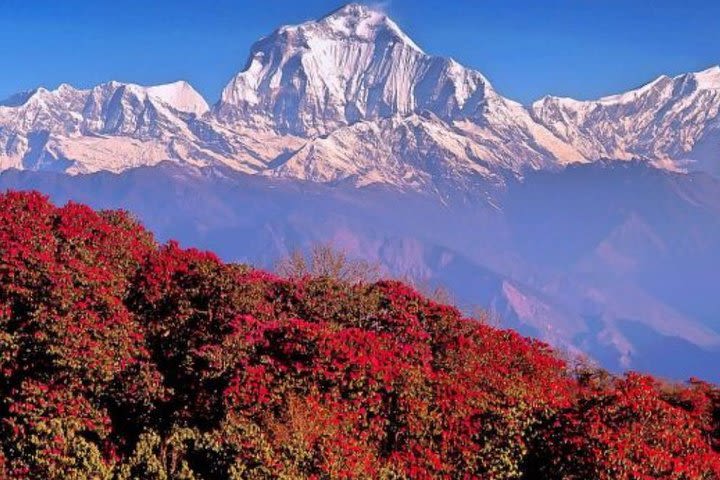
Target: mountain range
(594,225)
(350,96)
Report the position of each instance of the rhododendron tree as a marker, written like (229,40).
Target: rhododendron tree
(124,359)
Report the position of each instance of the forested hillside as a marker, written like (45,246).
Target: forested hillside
(122,358)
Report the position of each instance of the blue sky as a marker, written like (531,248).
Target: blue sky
(527,48)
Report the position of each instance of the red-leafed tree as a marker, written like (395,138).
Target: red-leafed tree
(121,359)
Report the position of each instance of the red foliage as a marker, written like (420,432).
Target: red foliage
(120,357)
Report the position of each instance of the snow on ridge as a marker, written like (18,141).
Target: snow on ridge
(361,21)
(670,122)
(180,95)
(708,79)
(632,95)
(351,95)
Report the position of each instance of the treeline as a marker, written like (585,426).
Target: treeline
(124,359)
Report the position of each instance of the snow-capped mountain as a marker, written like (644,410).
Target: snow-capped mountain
(374,106)
(673,122)
(353,65)
(350,97)
(113,126)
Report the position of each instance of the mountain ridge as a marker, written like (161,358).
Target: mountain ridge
(351,97)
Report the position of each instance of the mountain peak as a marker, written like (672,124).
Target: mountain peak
(355,11)
(360,21)
(708,79)
(354,64)
(39,94)
(179,95)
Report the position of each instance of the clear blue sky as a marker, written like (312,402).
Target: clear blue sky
(527,48)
